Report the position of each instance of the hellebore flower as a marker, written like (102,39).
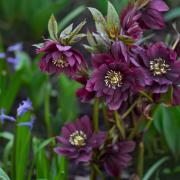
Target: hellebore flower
(78,140)
(24,107)
(152,17)
(161,67)
(116,157)
(4,117)
(129,22)
(114,80)
(58,58)
(29,124)
(82,93)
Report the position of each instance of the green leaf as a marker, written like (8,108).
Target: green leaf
(166,120)
(172,14)
(53,28)
(154,168)
(113,23)
(3,175)
(99,20)
(66,32)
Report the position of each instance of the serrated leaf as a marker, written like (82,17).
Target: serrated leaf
(112,19)
(66,32)
(90,39)
(78,28)
(77,38)
(100,22)
(53,28)
(90,49)
(40,45)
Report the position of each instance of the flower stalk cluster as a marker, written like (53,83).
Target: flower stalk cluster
(126,80)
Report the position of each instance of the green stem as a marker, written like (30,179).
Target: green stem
(96,168)
(93,174)
(140,161)
(96,115)
(135,129)
(119,124)
(105,118)
(130,109)
(47,110)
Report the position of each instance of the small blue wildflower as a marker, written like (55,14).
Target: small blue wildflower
(14,61)
(24,107)
(28,124)
(2,55)
(15,47)
(4,117)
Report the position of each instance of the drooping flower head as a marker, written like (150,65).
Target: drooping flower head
(4,117)
(152,14)
(29,124)
(24,107)
(58,58)
(78,140)
(129,22)
(113,80)
(162,68)
(116,157)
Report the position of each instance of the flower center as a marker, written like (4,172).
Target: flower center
(78,138)
(113,32)
(113,79)
(158,66)
(60,62)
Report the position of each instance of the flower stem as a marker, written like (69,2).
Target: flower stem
(176,43)
(96,115)
(47,109)
(119,124)
(130,109)
(135,129)
(93,174)
(140,161)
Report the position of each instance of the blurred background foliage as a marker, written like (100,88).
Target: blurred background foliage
(54,99)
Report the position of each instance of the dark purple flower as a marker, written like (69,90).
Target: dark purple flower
(78,140)
(117,157)
(114,80)
(15,47)
(152,15)
(129,22)
(4,117)
(82,93)
(24,107)
(161,67)
(29,124)
(58,58)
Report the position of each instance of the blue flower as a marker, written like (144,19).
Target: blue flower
(4,117)
(28,124)
(14,61)
(2,55)
(15,47)
(24,107)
